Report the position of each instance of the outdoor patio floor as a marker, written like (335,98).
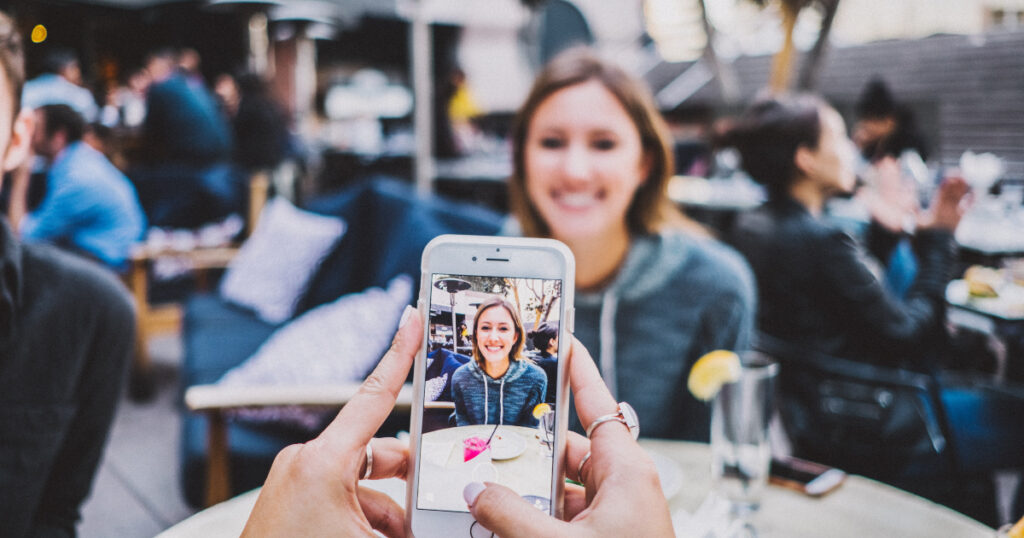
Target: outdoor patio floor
(137,490)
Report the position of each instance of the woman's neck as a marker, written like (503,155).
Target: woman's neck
(809,195)
(598,260)
(496,369)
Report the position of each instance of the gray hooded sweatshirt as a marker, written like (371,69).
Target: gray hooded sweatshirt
(481,399)
(676,297)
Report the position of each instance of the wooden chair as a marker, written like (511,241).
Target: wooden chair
(216,402)
(156,319)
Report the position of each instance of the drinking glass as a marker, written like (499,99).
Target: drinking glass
(546,428)
(740,451)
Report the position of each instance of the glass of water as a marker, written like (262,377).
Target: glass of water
(740,451)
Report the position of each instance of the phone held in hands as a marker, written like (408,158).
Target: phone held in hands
(810,478)
(490,382)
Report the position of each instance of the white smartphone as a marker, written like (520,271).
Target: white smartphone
(490,383)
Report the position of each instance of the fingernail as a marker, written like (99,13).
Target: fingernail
(472,491)
(405,315)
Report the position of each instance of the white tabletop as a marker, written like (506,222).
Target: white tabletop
(859,508)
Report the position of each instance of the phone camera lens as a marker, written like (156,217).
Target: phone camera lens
(474,258)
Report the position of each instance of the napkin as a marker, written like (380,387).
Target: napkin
(711,520)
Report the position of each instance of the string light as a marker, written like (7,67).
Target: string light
(39,34)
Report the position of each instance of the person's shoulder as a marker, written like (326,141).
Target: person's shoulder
(462,372)
(80,285)
(710,262)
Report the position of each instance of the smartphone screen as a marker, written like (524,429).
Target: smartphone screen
(491,378)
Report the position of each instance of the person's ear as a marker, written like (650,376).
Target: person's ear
(20,146)
(803,160)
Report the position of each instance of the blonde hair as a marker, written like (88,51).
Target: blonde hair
(515,353)
(651,210)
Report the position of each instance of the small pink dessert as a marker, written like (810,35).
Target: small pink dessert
(472,447)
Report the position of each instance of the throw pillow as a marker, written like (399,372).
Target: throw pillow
(275,264)
(335,343)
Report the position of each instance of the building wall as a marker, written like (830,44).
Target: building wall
(968,90)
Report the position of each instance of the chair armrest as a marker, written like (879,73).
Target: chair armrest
(216,397)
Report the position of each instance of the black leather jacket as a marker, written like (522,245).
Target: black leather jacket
(817,288)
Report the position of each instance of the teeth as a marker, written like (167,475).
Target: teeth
(577,200)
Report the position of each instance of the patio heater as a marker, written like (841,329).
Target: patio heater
(452,286)
(256,28)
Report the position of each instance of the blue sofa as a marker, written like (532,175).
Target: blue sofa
(387,228)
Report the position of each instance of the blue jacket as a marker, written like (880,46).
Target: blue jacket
(508,400)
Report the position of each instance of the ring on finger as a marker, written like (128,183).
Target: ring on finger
(369,461)
(579,468)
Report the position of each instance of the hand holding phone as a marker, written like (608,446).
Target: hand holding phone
(490,389)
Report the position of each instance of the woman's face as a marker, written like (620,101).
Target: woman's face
(583,162)
(495,334)
(831,164)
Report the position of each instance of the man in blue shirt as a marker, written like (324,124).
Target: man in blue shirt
(90,206)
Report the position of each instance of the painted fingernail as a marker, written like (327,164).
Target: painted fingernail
(472,491)
(405,315)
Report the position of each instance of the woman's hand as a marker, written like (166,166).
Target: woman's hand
(313,488)
(948,206)
(892,201)
(623,495)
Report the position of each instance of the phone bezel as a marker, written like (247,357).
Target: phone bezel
(490,256)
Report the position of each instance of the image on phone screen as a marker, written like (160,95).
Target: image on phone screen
(490,388)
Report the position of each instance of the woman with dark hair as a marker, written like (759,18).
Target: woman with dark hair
(817,286)
(819,289)
(499,386)
(591,163)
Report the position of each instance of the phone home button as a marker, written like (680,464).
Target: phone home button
(476,530)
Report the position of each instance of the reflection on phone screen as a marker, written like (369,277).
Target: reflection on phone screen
(491,383)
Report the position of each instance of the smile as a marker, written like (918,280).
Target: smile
(578,200)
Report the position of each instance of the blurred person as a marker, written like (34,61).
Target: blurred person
(591,162)
(821,290)
(260,126)
(125,105)
(66,332)
(500,385)
(90,206)
(892,152)
(60,83)
(313,488)
(545,338)
(798,149)
(185,178)
(884,127)
(226,89)
(188,64)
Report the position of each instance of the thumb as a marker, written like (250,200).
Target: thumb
(506,514)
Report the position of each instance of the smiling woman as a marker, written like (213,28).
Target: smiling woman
(499,386)
(592,158)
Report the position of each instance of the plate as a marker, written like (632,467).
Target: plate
(669,473)
(507,445)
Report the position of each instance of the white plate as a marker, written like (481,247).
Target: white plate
(669,473)
(507,445)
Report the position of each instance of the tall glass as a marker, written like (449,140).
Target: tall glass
(740,451)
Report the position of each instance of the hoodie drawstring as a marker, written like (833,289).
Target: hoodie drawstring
(501,401)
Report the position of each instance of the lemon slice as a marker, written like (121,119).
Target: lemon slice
(712,371)
(540,410)
(1017,531)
